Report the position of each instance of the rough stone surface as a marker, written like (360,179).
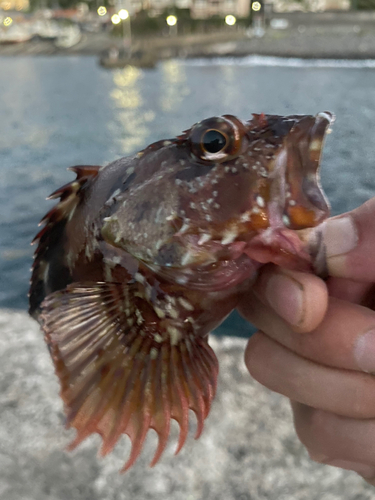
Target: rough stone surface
(248,450)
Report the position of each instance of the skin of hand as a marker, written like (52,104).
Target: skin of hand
(316,344)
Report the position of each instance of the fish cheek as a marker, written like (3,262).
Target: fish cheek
(234,195)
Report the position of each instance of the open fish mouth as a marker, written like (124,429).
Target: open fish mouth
(296,199)
(306,204)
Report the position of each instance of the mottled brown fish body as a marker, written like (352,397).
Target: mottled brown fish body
(141,259)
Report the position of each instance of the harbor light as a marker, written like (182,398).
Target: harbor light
(7,21)
(256,6)
(230,20)
(102,11)
(123,14)
(116,19)
(171,20)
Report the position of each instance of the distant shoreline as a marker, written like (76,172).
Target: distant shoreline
(329,42)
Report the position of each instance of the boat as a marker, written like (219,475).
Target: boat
(120,58)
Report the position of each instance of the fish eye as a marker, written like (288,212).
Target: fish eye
(217,139)
(213,141)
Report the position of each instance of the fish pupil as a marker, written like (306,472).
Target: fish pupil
(213,141)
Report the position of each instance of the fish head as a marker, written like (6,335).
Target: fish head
(224,197)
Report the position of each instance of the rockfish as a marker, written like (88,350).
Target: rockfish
(142,258)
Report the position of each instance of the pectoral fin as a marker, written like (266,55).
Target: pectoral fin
(119,371)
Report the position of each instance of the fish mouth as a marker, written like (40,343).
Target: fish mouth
(305,204)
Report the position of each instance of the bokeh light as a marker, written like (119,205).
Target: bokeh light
(116,19)
(7,21)
(256,6)
(123,14)
(171,20)
(102,11)
(230,20)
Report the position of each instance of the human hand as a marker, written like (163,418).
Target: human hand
(317,344)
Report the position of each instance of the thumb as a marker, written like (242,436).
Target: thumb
(350,243)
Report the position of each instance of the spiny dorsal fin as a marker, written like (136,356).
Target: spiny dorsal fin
(121,370)
(49,271)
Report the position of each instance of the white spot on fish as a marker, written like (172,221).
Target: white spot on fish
(174,334)
(185,226)
(229,236)
(182,280)
(204,238)
(153,353)
(286,220)
(158,244)
(139,316)
(140,278)
(159,312)
(130,170)
(315,145)
(245,217)
(172,312)
(186,304)
(260,201)
(167,143)
(292,202)
(188,258)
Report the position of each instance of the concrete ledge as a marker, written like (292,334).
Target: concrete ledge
(248,450)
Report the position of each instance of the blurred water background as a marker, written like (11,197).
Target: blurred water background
(62,111)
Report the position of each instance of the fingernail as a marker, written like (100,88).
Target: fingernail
(362,469)
(340,236)
(285,296)
(364,351)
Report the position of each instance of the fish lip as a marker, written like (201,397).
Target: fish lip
(304,149)
(312,185)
